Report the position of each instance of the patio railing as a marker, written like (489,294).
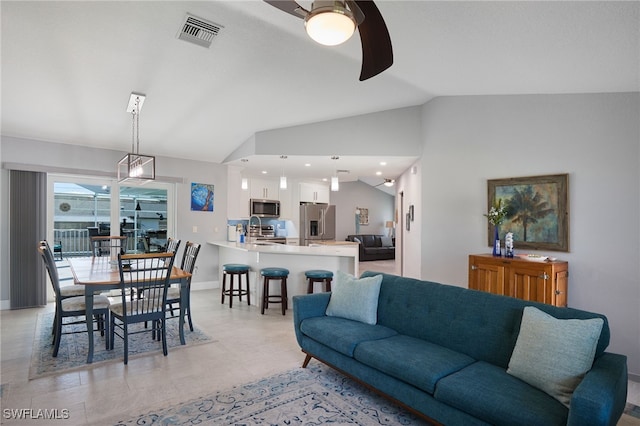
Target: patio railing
(75,242)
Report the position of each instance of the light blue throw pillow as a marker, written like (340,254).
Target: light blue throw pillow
(355,299)
(386,242)
(553,355)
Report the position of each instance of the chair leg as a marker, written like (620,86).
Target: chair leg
(283,294)
(126,343)
(265,295)
(248,291)
(164,336)
(224,285)
(58,335)
(231,290)
(112,331)
(106,331)
(187,310)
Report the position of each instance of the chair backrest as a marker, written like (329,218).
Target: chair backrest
(50,264)
(145,274)
(172,245)
(189,257)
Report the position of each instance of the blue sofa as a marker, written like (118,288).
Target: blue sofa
(443,352)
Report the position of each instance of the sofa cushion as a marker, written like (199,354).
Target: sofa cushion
(341,334)
(386,242)
(412,360)
(369,240)
(552,354)
(487,392)
(355,298)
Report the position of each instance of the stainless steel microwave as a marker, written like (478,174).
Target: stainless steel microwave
(264,208)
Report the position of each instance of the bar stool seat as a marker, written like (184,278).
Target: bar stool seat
(274,274)
(318,276)
(233,270)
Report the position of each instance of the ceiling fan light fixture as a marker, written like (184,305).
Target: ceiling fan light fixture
(330,23)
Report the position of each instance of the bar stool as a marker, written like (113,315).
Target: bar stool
(274,274)
(318,276)
(235,269)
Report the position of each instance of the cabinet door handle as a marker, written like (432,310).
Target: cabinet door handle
(544,276)
(474,267)
(559,292)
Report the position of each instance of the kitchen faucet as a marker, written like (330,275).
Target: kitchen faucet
(259,223)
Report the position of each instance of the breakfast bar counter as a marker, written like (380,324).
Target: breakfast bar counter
(297,259)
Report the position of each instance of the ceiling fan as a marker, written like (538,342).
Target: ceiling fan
(333,22)
(387,182)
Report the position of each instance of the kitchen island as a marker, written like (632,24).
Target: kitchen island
(297,259)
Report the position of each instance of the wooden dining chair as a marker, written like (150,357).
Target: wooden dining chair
(188,264)
(73,307)
(172,245)
(147,276)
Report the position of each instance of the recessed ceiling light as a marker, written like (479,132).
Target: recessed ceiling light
(264,172)
(378,173)
(383,163)
(324,179)
(307,164)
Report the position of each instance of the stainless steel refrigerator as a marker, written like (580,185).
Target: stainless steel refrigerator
(317,223)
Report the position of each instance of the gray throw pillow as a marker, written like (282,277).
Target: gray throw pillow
(355,299)
(553,355)
(386,242)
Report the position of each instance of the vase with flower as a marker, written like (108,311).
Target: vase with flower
(497,214)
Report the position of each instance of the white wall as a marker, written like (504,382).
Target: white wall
(594,138)
(60,158)
(409,192)
(359,194)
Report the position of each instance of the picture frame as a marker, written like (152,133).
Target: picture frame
(537,211)
(364,215)
(202,195)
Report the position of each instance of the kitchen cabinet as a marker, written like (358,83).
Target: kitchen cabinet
(314,193)
(266,189)
(237,198)
(544,282)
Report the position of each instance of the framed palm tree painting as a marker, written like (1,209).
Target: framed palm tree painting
(537,211)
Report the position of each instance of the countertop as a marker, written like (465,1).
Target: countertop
(320,250)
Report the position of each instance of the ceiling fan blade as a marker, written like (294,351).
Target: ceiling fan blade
(377,53)
(289,6)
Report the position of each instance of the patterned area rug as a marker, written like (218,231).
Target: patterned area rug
(632,410)
(312,396)
(73,347)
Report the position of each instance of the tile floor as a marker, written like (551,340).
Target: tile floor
(248,346)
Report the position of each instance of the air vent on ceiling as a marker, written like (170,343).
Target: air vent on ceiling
(198,31)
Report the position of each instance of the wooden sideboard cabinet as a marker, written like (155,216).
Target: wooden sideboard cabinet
(544,282)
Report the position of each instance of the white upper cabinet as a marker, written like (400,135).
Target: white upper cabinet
(314,193)
(266,189)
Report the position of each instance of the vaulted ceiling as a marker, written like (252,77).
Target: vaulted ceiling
(68,67)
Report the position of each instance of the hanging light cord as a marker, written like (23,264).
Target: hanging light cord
(135,128)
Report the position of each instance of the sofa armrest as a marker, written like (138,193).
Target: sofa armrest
(308,306)
(602,395)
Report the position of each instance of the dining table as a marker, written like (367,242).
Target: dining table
(101,273)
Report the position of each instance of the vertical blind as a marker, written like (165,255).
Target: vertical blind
(27,223)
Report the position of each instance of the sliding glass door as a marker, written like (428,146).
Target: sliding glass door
(80,207)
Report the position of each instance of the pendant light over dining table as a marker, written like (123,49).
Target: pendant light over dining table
(135,166)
